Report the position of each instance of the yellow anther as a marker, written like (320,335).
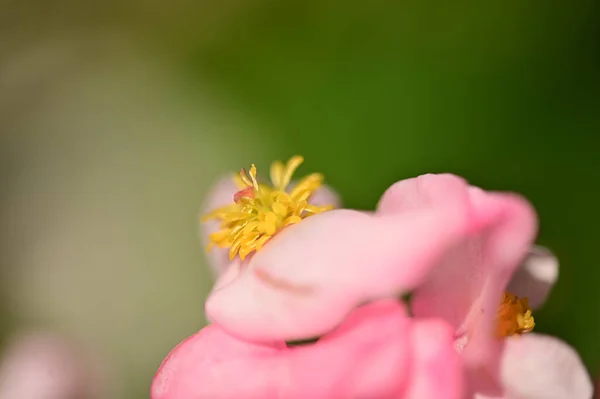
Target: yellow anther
(514,316)
(259,210)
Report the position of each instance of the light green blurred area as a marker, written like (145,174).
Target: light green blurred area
(103,179)
(116,118)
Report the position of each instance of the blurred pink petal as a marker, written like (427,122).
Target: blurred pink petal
(222,194)
(219,195)
(436,369)
(323,196)
(536,276)
(536,366)
(44,366)
(377,352)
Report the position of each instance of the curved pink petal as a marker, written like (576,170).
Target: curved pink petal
(536,276)
(465,266)
(466,288)
(324,195)
(536,366)
(213,365)
(436,366)
(368,356)
(425,191)
(377,339)
(221,194)
(311,275)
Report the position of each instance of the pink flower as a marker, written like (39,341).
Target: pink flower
(370,351)
(456,245)
(464,290)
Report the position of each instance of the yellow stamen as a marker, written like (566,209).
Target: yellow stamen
(514,316)
(259,211)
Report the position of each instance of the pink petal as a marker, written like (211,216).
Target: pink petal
(213,365)
(368,356)
(311,275)
(426,191)
(538,366)
(466,288)
(480,396)
(436,367)
(45,366)
(324,195)
(377,339)
(221,194)
(230,273)
(536,276)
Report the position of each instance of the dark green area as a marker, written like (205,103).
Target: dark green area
(505,94)
(309,341)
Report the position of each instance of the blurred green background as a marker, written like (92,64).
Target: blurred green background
(116,117)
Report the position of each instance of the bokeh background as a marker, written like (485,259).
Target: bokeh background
(115,117)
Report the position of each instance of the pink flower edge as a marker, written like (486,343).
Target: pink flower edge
(393,356)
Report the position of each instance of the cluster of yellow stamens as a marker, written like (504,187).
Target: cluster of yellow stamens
(514,316)
(259,211)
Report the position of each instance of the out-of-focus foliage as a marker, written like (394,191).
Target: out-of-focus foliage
(118,155)
(103,175)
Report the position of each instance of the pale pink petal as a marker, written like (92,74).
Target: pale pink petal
(426,191)
(221,194)
(536,276)
(45,366)
(325,195)
(538,366)
(230,273)
(467,287)
(480,396)
(436,366)
(509,226)
(502,227)
(368,356)
(309,276)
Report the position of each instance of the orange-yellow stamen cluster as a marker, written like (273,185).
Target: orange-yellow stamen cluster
(514,316)
(260,210)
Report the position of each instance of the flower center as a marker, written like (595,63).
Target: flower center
(514,316)
(259,211)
